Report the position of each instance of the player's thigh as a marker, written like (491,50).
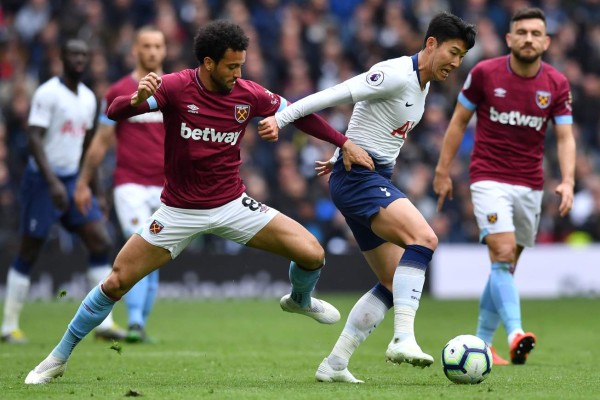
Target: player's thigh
(134,204)
(37,211)
(286,237)
(136,259)
(95,236)
(493,207)
(527,210)
(383,260)
(173,228)
(401,223)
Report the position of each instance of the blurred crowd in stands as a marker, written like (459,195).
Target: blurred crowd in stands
(299,47)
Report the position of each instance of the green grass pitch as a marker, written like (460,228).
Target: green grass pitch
(252,350)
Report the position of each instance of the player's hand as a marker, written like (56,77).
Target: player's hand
(442,186)
(323,167)
(354,154)
(58,193)
(565,191)
(83,198)
(268,129)
(147,86)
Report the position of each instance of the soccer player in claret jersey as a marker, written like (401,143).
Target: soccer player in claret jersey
(137,185)
(206,111)
(514,97)
(60,120)
(394,237)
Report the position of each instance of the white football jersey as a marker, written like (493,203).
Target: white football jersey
(66,116)
(389,104)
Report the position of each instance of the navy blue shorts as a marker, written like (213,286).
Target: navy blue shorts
(359,194)
(38,212)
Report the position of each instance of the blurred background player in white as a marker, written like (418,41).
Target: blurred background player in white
(60,121)
(514,97)
(392,234)
(139,172)
(206,111)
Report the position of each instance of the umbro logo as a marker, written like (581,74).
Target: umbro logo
(192,108)
(500,92)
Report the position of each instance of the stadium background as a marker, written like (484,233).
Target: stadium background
(297,47)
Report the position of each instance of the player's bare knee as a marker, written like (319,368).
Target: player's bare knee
(429,240)
(313,257)
(116,284)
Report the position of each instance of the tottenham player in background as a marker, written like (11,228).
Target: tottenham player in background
(206,111)
(392,234)
(514,97)
(62,114)
(139,172)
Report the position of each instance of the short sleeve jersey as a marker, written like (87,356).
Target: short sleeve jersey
(389,104)
(66,116)
(203,134)
(140,140)
(512,117)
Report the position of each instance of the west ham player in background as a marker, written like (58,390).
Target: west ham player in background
(514,97)
(206,111)
(139,173)
(394,237)
(62,114)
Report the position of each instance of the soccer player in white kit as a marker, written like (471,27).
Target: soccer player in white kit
(392,234)
(514,97)
(61,117)
(205,113)
(139,172)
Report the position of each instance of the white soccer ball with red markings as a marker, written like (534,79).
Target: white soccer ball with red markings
(467,359)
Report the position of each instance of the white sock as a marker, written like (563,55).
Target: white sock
(365,316)
(408,286)
(17,288)
(95,276)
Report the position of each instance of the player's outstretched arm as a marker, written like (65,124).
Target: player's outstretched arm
(94,155)
(566,158)
(442,183)
(124,107)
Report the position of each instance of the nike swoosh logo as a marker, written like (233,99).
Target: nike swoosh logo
(409,105)
(416,291)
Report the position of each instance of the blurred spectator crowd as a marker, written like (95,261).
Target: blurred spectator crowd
(299,47)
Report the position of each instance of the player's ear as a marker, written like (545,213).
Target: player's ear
(208,63)
(431,43)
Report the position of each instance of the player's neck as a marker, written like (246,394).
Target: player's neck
(525,70)
(139,73)
(70,82)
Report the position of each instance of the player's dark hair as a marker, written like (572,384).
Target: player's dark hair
(528,13)
(213,39)
(67,44)
(445,26)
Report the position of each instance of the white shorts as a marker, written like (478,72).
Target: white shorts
(174,228)
(134,204)
(501,207)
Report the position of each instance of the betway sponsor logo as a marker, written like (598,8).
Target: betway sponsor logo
(517,119)
(209,135)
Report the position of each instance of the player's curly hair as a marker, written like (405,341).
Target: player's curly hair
(214,38)
(445,26)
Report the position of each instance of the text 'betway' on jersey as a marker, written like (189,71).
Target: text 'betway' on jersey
(515,118)
(209,135)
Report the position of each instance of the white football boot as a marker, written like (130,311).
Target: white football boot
(407,351)
(325,373)
(319,310)
(46,371)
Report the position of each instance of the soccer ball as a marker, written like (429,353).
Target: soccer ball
(467,359)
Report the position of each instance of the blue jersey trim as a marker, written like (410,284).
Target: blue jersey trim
(283,103)
(466,102)
(415,62)
(563,120)
(106,121)
(152,103)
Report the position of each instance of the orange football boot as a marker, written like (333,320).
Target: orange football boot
(496,359)
(520,347)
